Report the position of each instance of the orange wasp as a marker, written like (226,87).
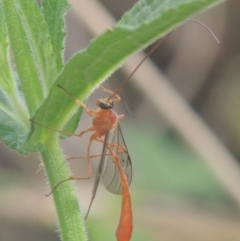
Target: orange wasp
(119,163)
(118,174)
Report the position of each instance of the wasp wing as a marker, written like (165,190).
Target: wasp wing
(99,172)
(111,177)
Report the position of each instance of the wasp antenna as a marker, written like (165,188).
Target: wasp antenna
(61,87)
(206,27)
(137,67)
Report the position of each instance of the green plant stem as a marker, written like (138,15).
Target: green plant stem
(71,223)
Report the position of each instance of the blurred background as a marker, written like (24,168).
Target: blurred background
(181,127)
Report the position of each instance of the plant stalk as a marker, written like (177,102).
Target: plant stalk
(71,221)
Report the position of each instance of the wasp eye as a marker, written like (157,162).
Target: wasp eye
(104,104)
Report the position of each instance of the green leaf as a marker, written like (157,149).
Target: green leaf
(13,114)
(31,48)
(35,63)
(54,12)
(7,81)
(147,21)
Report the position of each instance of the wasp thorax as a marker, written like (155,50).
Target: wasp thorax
(105,104)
